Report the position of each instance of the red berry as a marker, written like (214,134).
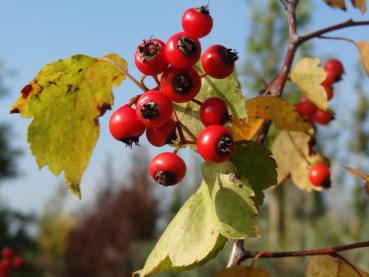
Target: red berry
(215,144)
(125,126)
(319,175)
(336,67)
(322,117)
(17,262)
(180,85)
(197,21)
(330,78)
(150,57)
(329,92)
(306,107)
(218,61)
(5,264)
(159,136)
(153,108)
(7,252)
(182,50)
(214,111)
(167,169)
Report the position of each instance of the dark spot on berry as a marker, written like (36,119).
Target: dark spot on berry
(165,178)
(327,183)
(150,110)
(203,9)
(26,90)
(229,56)
(182,83)
(129,142)
(149,50)
(187,46)
(224,145)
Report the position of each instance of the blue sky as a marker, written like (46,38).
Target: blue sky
(34,33)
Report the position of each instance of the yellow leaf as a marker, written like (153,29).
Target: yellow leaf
(340,4)
(363,47)
(360,4)
(291,152)
(360,174)
(262,108)
(241,271)
(327,266)
(65,101)
(308,76)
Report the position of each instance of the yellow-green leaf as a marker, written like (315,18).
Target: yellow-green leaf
(308,76)
(363,47)
(65,101)
(245,130)
(327,266)
(362,175)
(241,271)
(340,4)
(360,4)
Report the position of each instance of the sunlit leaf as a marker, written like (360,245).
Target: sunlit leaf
(308,76)
(360,4)
(362,175)
(65,101)
(245,130)
(241,271)
(190,239)
(363,47)
(340,4)
(327,266)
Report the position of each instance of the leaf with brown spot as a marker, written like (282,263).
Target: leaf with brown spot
(362,175)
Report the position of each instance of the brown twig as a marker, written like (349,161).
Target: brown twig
(198,102)
(338,38)
(142,81)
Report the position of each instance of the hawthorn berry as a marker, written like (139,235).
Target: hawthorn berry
(150,57)
(330,78)
(322,117)
(180,85)
(215,144)
(153,108)
(159,136)
(306,108)
(17,262)
(167,169)
(214,111)
(218,61)
(7,252)
(197,21)
(319,175)
(125,126)
(182,50)
(335,67)
(329,92)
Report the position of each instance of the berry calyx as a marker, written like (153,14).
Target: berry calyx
(153,108)
(165,134)
(319,175)
(215,144)
(167,169)
(182,50)
(322,117)
(125,126)
(150,57)
(197,21)
(214,111)
(180,85)
(335,67)
(7,252)
(218,61)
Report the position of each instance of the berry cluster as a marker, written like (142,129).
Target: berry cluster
(9,262)
(172,66)
(319,174)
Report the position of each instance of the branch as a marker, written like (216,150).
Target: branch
(332,251)
(347,24)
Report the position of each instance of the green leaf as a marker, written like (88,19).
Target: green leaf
(233,200)
(227,89)
(190,239)
(65,101)
(256,164)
